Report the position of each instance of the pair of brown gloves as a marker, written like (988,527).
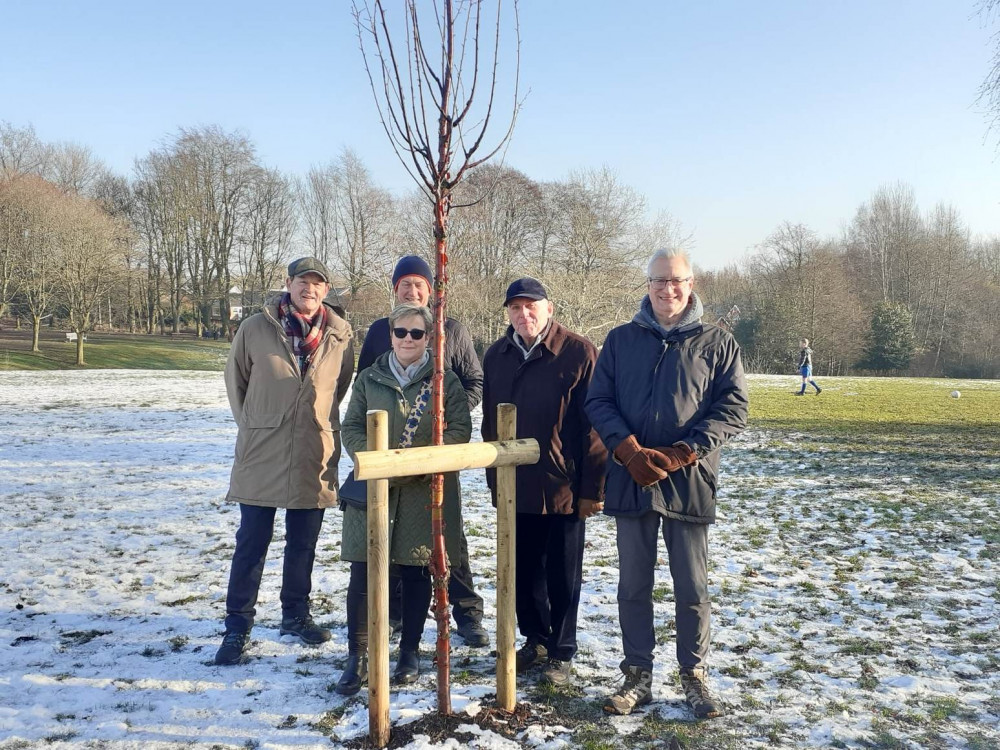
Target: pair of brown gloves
(650,465)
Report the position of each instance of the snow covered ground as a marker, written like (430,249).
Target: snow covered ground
(855,604)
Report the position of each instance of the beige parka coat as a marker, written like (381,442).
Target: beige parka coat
(288,444)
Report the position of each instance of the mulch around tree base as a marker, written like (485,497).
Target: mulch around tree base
(438,727)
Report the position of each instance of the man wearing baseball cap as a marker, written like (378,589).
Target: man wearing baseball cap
(412,281)
(287,371)
(544,369)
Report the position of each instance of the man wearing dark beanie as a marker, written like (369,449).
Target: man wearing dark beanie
(412,281)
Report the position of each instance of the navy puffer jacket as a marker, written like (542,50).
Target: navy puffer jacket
(685,384)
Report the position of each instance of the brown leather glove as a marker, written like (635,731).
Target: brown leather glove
(678,456)
(645,465)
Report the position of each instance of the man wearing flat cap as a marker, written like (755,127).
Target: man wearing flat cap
(412,281)
(544,369)
(287,372)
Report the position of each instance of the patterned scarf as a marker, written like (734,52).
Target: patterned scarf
(305,333)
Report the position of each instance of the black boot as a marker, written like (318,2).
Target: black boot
(355,674)
(407,668)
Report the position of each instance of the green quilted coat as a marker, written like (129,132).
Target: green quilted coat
(409,497)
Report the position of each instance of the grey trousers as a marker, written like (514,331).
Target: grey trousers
(687,551)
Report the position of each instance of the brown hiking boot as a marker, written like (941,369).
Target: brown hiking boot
(558,672)
(636,691)
(694,682)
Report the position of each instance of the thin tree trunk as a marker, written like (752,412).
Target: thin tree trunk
(36,328)
(439,559)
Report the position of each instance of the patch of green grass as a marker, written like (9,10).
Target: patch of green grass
(861,407)
(942,709)
(864,646)
(117,351)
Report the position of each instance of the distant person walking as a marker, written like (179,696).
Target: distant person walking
(287,372)
(806,367)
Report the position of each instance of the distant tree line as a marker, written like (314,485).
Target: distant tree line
(201,224)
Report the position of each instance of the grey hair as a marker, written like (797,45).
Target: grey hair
(669,253)
(406,309)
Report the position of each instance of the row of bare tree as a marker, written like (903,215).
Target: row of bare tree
(202,224)
(891,255)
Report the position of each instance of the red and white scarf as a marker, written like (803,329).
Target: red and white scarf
(305,333)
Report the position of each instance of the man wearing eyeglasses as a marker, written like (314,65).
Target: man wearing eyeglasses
(668,392)
(544,369)
(412,281)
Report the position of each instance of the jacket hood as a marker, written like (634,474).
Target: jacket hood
(691,318)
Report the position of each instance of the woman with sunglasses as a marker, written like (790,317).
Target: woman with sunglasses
(399,383)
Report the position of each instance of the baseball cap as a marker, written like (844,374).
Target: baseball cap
(308,265)
(526,287)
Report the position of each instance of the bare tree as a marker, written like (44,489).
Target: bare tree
(161,224)
(115,195)
(885,237)
(349,221)
(989,90)
(437,112)
(20,151)
(269,228)
(74,168)
(87,264)
(43,223)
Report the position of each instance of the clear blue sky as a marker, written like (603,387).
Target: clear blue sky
(731,115)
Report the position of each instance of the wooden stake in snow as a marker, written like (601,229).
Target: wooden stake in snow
(377,466)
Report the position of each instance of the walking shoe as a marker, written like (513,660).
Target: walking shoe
(636,691)
(694,682)
(407,668)
(530,654)
(305,629)
(234,643)
(355,674)
(474,634)
(558,673)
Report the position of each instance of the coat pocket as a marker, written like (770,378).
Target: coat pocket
(253,432)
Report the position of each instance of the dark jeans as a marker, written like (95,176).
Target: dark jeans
(549,575)
(415,600)
(466,604)
(302,529)
(687,552)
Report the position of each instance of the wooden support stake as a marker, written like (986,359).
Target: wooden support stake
(506,541)
(439,459)
(378,589)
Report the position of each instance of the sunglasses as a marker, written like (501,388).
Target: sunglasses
(415,333)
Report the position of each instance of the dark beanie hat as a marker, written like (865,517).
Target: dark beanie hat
(412,265)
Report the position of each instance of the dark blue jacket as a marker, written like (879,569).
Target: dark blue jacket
(687,385)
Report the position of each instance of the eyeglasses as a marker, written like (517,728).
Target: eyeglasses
(659,282)
(415,333)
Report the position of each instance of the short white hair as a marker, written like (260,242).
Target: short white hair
(668,253)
